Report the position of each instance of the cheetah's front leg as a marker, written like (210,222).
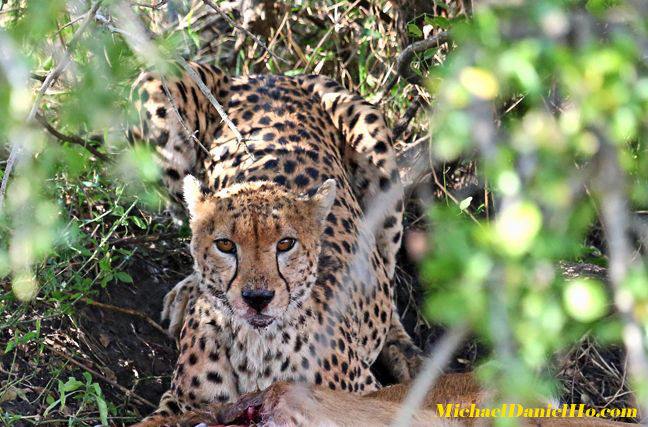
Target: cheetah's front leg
(399,353)
(177,300)
(203,372)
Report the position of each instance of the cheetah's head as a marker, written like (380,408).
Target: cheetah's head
(257,245)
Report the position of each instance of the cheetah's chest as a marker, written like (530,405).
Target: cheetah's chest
(260,359)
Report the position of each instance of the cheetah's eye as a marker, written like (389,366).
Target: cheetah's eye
(284,245)
(226,245)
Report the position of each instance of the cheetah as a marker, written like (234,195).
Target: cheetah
(294,234)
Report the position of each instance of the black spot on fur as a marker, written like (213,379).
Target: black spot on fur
(214,377)
(289,166)
(193,359)
(172,173)
(371,118)
(301,181)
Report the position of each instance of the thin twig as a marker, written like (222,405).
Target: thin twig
(219,108)
(174,107)
(73,139)
(151,6)
(72,22)
(240,28)
(129,311)
(100,375)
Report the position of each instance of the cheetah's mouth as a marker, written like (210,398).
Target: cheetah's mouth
(260,320)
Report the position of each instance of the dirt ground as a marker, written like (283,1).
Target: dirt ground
(130,358)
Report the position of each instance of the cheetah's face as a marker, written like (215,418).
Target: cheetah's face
(257,246)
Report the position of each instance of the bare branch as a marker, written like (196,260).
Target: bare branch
(13,156)
(219,108)
(414,161)
(407,55)
(129,311)
(72,139)
(151,6)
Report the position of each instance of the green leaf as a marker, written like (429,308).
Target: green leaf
(414,30)
(124,277)
(138,222)
(429,53)
(72,384)
(10,346)
(441,4)
(463,205)
(118,210)
(437,21)
(103,410)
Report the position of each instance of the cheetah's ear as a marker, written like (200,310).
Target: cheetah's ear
(192,194)
(324,198)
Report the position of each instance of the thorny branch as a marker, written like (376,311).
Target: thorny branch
(16,148)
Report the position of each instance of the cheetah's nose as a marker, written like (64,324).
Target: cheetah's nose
(258,299)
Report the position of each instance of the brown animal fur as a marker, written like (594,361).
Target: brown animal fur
(284,404)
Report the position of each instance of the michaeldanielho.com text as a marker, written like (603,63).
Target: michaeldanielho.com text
(515,410)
